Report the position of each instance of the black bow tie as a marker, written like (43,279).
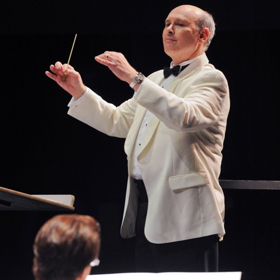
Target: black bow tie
(175,70)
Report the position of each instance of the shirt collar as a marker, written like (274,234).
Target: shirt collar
(184,63)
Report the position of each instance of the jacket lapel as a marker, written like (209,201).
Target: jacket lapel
(187,72)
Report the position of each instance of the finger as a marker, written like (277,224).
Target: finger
(72,73)
(66,67)
(104,56)
(58,65)
(70,67)
(101,59)
(105,62)
(51,76)
(55,70)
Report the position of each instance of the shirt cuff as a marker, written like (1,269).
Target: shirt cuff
(136,92)
(74,102)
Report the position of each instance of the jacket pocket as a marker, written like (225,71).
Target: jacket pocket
(189,180)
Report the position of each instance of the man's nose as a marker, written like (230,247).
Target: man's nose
(170,29)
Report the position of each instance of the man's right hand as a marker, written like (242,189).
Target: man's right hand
(72,83)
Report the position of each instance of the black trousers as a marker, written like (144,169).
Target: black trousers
(194,255)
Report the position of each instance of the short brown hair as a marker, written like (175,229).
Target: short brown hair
(64,246)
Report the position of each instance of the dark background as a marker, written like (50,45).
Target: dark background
(44,151)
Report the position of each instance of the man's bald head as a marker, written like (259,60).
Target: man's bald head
(202,19)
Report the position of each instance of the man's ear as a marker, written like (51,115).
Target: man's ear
(85,273)
(204,34)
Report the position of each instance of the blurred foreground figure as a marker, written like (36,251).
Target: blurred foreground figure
(66,247)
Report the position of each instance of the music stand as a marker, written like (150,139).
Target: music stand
(11,200)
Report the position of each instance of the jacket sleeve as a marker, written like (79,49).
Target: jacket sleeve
(104,116)
(197,101)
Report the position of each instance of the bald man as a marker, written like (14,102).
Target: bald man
(174,127)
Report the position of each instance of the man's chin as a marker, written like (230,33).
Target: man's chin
(169,51)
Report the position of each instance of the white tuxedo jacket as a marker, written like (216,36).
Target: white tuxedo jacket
(181,156)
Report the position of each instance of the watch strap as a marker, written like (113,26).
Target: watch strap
(139,77)
(133,83)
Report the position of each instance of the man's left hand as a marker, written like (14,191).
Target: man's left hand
(118,64)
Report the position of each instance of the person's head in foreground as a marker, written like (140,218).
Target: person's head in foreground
(66,247)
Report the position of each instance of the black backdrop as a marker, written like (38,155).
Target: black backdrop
(45,151)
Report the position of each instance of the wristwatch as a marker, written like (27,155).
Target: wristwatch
(139,77)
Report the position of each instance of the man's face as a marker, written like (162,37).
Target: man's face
(180,35)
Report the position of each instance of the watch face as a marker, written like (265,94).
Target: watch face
(139,77)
